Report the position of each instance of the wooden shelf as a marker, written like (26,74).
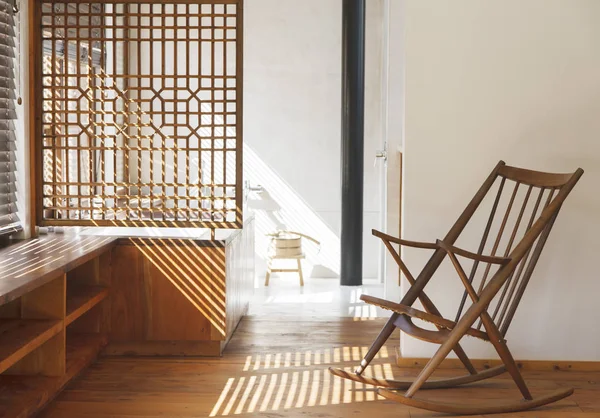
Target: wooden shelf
(46,337)
(81,299)
(26,395)
(19,337)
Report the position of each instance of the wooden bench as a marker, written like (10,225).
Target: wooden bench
(53,321)
(64,299)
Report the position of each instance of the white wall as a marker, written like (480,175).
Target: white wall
(292,96)
(394,131)
(519,81)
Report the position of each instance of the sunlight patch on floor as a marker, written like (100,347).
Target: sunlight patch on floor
(294,389)
(310,357)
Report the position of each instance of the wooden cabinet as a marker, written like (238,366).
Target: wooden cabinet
(179,296)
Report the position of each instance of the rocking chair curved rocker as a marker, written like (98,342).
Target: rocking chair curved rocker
(493,302)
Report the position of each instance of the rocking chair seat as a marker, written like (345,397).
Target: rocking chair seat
(424,316)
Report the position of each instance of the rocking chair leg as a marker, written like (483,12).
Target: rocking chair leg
(505,355)
(383,336)
(430,367)
(450,344)
(511,367)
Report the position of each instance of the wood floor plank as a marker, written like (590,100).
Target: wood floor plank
(277,368)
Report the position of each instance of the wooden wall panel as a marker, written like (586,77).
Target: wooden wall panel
(167,291)
(240,277)
(127,299)
(169,314)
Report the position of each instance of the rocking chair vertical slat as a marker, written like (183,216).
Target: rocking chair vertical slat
(518,222)
(549,199)
(482,244)
(498,240)
(499,237)
(523,265)
(516,274)
(509,247)
(505,323)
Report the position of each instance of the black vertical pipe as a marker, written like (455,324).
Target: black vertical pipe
(353,128)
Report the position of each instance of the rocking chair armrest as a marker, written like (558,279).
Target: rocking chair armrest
(473,256)
(415,244)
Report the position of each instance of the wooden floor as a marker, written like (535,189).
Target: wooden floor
(278,368)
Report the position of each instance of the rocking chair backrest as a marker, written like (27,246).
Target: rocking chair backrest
(524,205)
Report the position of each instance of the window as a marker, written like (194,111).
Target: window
(141,114)
(9,221)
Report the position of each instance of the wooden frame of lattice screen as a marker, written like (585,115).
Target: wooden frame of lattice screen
(122,144)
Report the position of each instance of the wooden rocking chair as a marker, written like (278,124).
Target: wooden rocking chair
(493,301)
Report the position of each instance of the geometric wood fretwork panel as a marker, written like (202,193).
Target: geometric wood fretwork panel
(140,122)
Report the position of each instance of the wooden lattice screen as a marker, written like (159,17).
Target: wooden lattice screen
(140,121)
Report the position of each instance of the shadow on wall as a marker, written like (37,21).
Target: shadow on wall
(279,207)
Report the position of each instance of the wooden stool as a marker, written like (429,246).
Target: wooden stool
(298,270)
(287,245)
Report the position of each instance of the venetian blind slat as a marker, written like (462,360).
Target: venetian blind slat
(9,221)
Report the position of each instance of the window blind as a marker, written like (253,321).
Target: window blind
(9,221)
